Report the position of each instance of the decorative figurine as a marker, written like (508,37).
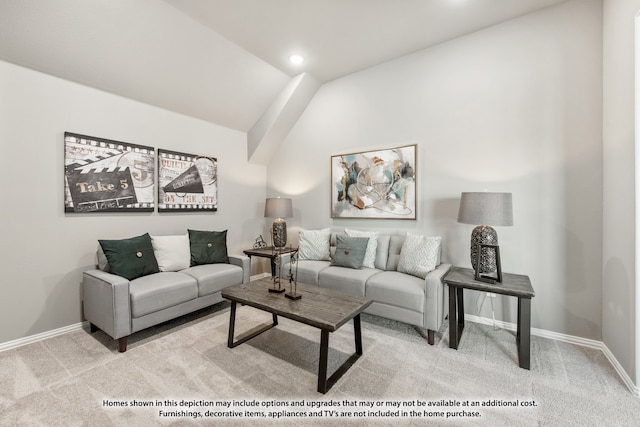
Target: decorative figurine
(277,288)
(293,280)
(260,243)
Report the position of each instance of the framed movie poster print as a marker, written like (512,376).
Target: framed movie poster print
(103,175)
(374,184)
(187,182)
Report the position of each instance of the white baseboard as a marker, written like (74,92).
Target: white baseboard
(42,336)
(599,345)
(635,390)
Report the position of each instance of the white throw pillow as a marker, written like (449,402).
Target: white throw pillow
(172,252)
(419,255)
(372,246)
(315,245)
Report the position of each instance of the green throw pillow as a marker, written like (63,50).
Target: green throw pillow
(130,258)
(350,251)
(208,247)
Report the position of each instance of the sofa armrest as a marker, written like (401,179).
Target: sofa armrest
(285,258)
(106,302)
(436,298)
(244,262)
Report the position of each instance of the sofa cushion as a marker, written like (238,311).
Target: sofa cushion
(130,258)
(394,248)
(346,280)
(159,291)
(208,247)
(372,245)
(350,251)
(212,278)
(172,252)
(314,245)
(419,255)
(305,271)
(382,252)
(398,289)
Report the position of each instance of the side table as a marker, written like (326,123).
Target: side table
(269,252)
(515,285)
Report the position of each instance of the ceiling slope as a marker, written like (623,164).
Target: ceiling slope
(144,50)
(225,61)
(339,37)
(265,137)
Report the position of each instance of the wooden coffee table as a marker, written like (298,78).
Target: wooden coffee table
(322,308)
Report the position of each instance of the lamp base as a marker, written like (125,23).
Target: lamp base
(279,233)
(495,250)
(483,259)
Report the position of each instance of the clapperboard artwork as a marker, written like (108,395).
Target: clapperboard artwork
(187,182)
(102,175)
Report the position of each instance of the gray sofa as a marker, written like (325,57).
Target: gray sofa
(422,303)
(121,307)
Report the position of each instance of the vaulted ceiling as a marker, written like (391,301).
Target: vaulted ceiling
(225,61)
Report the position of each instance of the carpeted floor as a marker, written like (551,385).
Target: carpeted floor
(181,370)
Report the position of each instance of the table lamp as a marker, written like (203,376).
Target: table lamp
(279,209)
(485,209)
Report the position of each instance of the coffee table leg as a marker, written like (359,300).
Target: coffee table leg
(358,334)
(324,383)
(232,324)
(249,334)
(322,367)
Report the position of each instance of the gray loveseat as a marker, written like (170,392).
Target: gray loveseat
(120,306)
(421,302)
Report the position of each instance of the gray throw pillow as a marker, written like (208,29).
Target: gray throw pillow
(350,251)
(372,246)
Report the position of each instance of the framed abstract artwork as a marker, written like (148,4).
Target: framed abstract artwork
(377,184)
(187,182)
(103,175)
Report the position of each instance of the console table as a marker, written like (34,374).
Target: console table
(515,285)
(269,252)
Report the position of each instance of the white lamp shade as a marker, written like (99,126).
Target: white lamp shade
(485,208)
(278,208)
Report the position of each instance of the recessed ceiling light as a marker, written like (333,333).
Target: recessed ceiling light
(296,59)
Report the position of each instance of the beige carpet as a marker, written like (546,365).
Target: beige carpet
(80,378)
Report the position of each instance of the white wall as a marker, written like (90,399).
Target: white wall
(516,107)
(44,250)
(619,303)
